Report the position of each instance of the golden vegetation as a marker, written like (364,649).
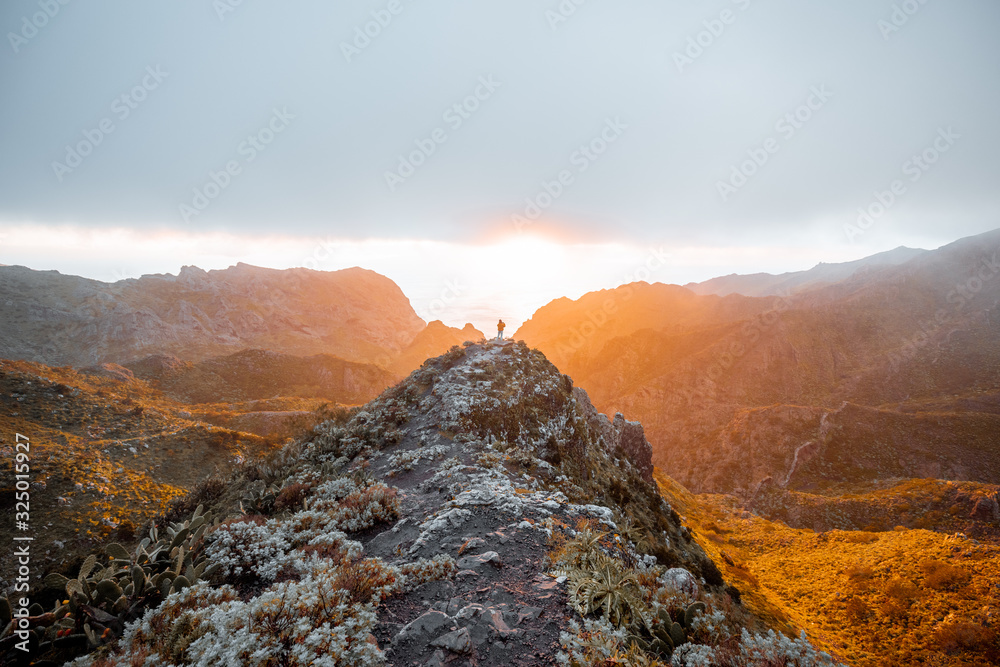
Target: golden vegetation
(109,453)
(899,597)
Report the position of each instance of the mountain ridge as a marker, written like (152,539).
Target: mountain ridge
(468,515)
(768,284)
(687,370)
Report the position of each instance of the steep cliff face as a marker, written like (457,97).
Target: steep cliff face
(478,513)
(620,437)
(355,314)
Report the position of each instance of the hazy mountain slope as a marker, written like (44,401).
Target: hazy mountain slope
(355,314)
(928,329)
(434,340)
(262,374)
(571,331)
(767,284)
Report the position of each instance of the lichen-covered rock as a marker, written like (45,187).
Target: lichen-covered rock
(620,435)
(433,521)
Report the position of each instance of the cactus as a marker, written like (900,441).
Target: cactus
(180,583)
(109,590)
(74,588)
(664,649)
(692,610)
(55,581)
(259,499)
(677,633)
(87,567)
(102,597)
(139,578)
(118,552)
(91,636)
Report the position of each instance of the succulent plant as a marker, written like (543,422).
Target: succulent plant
(693,610)
(609,588)
(102,598)
(259,498)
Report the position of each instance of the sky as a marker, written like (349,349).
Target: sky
(499,154)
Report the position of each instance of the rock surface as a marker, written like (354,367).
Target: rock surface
(443,502)
(56,319)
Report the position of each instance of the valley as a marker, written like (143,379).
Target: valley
(830,439)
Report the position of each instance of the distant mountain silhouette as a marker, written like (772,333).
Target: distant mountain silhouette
(767,284)
(55,319)
(904,347)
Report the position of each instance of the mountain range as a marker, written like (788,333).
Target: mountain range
(893,371)
(354,314)
(812,450)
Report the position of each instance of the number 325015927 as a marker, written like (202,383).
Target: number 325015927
(22,468)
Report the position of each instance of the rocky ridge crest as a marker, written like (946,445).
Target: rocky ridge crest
(480,512)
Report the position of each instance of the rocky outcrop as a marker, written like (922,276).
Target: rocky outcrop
(456,519)
(620,437)
(55,319)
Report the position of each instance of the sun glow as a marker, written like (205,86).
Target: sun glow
(506,277)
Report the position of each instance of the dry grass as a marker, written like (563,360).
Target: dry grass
(113,454)
(906,597)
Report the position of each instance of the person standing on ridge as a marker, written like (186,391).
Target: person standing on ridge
(500,327)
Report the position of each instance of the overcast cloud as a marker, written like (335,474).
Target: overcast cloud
(666,119)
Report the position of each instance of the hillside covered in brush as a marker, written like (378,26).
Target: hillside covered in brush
(109,452)
(263,374)
(892,372)
(481,512)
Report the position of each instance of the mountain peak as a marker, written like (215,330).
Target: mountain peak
(452,518)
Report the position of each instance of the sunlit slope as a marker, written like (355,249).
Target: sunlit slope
(355,314)
(920,337)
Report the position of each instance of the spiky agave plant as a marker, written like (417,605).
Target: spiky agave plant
(584,550)
(610,588)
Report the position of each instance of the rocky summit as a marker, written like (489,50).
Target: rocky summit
(481,512)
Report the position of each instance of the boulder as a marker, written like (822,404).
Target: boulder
(457,641)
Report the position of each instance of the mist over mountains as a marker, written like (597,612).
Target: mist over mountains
(731,388)
(851,411)
(757,363)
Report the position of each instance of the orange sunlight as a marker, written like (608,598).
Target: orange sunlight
(507,276)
